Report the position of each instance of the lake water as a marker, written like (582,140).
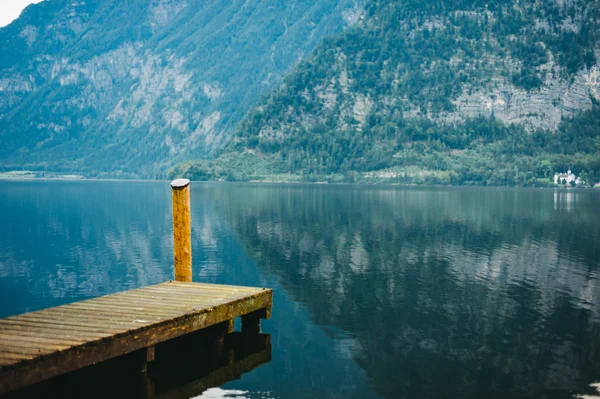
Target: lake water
(379,292)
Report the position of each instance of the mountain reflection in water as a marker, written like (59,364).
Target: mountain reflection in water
(379,292)
(444,293)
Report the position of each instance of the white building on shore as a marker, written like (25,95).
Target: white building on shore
(566,178)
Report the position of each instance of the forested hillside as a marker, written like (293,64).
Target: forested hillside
(455,92)
(130,87)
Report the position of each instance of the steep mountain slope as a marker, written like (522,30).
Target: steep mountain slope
(437,91)
(126,87)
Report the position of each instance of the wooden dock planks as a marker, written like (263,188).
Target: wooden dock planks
(39,345)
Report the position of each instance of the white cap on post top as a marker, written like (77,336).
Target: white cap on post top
(180,183)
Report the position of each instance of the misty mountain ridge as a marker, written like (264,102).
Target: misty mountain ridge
(128,87)
(464,92)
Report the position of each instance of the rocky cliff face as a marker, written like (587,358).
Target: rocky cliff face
(559,97)
(128,87)
(530,63)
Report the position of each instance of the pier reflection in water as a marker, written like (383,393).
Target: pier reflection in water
(184,368)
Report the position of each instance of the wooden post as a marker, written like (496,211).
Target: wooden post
(182,229)
(145,356)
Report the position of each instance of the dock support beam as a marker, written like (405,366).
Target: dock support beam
(182,229)
(251,321)
(142,357)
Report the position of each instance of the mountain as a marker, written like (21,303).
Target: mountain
(129,87)
(498,92)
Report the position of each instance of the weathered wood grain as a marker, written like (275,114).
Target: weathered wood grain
(39,345)
(182,229)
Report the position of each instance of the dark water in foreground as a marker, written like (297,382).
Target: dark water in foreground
(379,292)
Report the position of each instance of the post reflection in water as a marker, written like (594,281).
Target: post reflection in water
(378,292)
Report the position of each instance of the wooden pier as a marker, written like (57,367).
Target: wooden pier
(40,345)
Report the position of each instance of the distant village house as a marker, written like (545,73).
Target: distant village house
(562,179)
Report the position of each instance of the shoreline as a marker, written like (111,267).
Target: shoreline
(291,182)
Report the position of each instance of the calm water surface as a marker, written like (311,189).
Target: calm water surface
(379,292)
